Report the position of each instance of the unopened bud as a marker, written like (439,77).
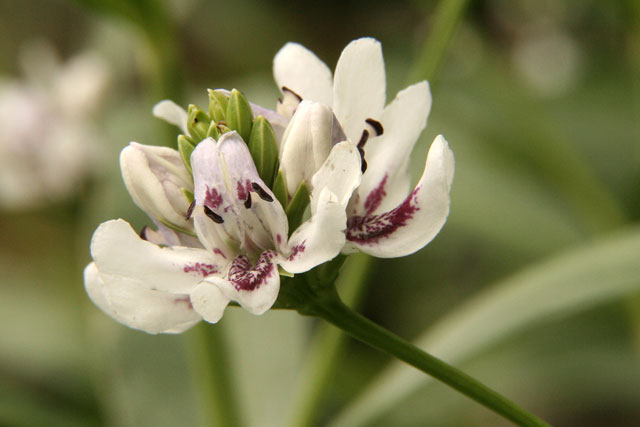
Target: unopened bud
(306,143)
(264,149)
(218,102)
(156,178)
(239,116)
(197,123)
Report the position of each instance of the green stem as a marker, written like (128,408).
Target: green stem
(374,335)
(212,372)
(327,346)
(445,21)
(317,296)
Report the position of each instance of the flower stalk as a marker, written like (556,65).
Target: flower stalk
(315,295)
(212,371)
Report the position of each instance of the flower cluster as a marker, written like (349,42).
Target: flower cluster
(252,194)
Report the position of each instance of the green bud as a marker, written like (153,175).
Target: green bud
(218,102)
(185,148)
(264,149)
(280,189)
(297,206)
(197,123)
(214,131)
(239,115)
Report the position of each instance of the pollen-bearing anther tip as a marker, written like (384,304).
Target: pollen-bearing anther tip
(376,125)
(263,194)
(213,216)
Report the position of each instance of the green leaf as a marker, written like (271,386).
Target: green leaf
(566,284)
(239,115)
(297,206)
(185,148)
(280,189)
(218,103)
(197,123)
(264,149)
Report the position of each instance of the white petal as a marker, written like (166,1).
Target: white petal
(119,253)
(234,178)
(386,182)
(340,174)
(359,88)
(95,287)
(306,143)
(139,308)
(417,220)
(254,287)
(155,177)
(320,238)
(209,301)
(171,112)
(299,69)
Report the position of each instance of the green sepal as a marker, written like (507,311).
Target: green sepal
(280,189)
(190,140)
(178,228)
(239,114)
(297,206)
(189,195)
(197,123)
(283,272)
(214,131)
(222,128)
(185,148)
(264,149)
(218,103)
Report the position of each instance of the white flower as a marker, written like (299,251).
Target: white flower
(47,143)
(243,238)
(386,219)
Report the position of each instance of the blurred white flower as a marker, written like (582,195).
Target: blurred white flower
(47,141)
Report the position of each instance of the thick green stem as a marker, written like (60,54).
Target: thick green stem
(370,333)
(317,296)
(212,373)
(327,346)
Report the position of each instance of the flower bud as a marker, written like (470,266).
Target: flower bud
(264,149)
(185,148)
(239,116)
(157,178)
(197,123)
(306,143)
(218,102)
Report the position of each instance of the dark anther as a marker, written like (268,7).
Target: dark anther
(363,139)
(263,194)
(190,210)
(143,232)
(286,89)
(376,125)
(247,203)
(363,165)
(214,216)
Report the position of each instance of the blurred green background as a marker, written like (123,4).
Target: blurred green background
(533,285)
